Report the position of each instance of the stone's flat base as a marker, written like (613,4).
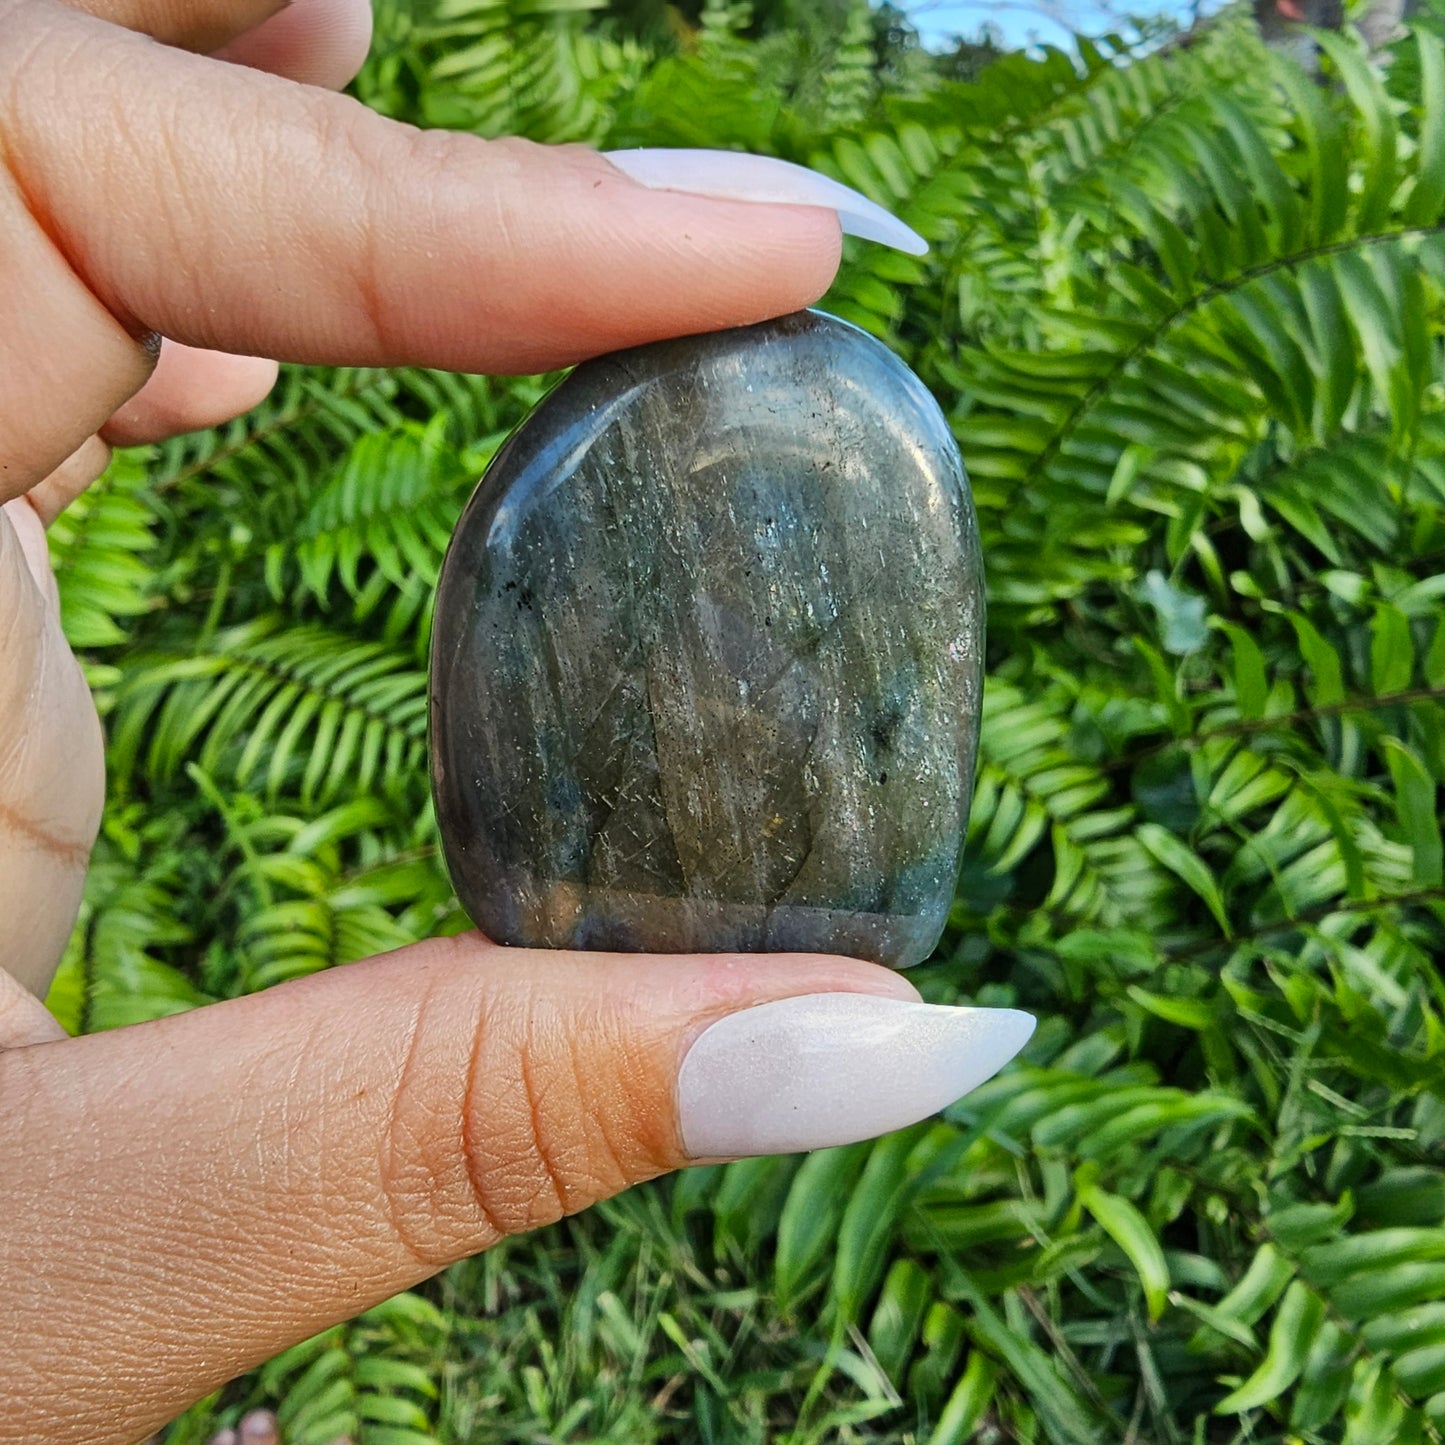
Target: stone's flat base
(707,658)
(569,915)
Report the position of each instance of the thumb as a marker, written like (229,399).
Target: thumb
(185,1198)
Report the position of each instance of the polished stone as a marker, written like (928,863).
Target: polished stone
(706,668)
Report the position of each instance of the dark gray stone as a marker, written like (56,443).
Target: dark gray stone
(707,659)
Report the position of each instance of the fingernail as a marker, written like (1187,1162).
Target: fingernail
(832,1068)
(736,176)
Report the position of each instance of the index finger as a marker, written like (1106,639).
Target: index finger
(249,214)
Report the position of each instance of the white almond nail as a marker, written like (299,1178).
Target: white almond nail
(831,1068)
(736,176)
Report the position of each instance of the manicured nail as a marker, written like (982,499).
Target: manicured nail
(831,1068)
(736,176)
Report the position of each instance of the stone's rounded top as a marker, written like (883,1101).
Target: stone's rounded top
(799,382)
(707,655)
(799,342)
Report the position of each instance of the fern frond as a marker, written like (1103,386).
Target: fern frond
(374,1381)
(100,549)
(307,709)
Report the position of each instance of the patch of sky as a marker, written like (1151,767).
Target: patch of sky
(1020,23)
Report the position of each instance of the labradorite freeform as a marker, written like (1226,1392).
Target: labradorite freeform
(707,658)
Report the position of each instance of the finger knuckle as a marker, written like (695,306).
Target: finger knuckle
(496,1128)
(422,1172)
(383,157)
(530,1155)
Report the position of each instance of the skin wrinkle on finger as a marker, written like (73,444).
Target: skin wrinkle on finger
(604,1157)
(475,1182)
(496,1136)
(395,1146)
(27,832)
(369,272)
(558,1178)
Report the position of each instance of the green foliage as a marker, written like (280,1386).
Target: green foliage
(372,1381)
(1186,312)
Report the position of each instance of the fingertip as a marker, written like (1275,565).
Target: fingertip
(778,974)
(803,245)
(789,250)
(316,42)
(812,247)
(684,262)
(891,984)
(189,390)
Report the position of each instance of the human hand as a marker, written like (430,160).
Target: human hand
(188,1197)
